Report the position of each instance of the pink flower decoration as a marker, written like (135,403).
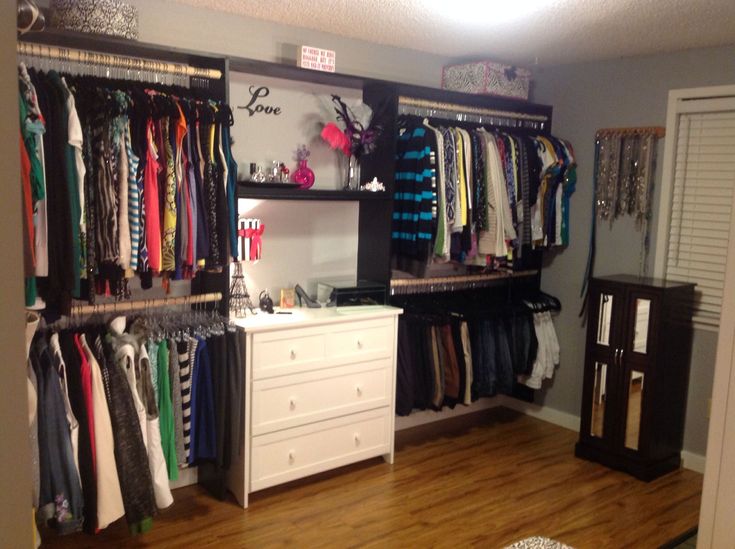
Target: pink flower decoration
(336,138)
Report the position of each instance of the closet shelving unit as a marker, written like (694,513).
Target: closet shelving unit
(311,194)
(204,282)
(129,48)
(449,106)
(404,286)
(375,209)
(289,72)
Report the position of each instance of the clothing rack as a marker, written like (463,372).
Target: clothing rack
(134,64)
(400,286)
(136,305)
(657,131)
(466,113)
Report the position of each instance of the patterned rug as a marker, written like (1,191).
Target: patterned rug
(538,542)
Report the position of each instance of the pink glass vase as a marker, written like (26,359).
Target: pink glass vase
(303,175)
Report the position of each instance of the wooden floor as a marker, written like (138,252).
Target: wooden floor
(488,485)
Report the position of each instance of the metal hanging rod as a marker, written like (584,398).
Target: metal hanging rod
(657,131)
(85,57)
(130,306)
(451,283)
(469,110)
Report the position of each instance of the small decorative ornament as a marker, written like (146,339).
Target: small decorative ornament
(284,172)
(373,186)
(274,174)
(250,239)
(288,298)
(239,296)
(259,175)
(303,175)
(265,302)
(356,140)
(317,59)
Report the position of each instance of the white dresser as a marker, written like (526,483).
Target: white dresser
(320,393)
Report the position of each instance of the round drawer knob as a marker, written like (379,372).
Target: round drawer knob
(293,354)
(358,390)
(292,404)
(291,456)
(359,344)
(357,439)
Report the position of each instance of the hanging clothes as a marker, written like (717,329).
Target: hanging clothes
(174,374)
(203,434)
(130,453)
(497,193)
(109,495)
(165,408)
(156,458)
(133,361)
(60,497)
(413,198)
(121,179)
(456,350)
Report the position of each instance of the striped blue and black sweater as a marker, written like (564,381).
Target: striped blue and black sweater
(413,225)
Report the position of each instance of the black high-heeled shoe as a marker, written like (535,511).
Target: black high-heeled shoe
(310,303)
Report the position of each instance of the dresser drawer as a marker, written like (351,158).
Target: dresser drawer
(289,401)
(287,351)
(295,453)
(361,340)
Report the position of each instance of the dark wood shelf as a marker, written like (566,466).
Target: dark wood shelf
(454,282)
(309,194)
(122,46)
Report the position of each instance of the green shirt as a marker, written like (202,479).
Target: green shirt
(166,413)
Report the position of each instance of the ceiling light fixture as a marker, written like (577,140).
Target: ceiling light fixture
(485,12)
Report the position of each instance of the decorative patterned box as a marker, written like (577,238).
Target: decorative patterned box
(111,17)
(487,77)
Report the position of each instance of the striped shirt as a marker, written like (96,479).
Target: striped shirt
(133,201)
(414,196)
(186,372)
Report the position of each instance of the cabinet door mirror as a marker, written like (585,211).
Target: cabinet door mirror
(642,317)
(604,320)
(633,419)
(598,400)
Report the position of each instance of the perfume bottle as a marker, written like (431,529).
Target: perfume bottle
(303,175)
(273,175)
(258,176)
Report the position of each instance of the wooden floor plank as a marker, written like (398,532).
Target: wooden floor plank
(482,483)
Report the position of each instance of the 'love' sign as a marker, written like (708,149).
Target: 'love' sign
(254,107)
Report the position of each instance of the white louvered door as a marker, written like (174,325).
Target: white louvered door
(703,188)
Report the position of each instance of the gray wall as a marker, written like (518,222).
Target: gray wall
(15,475)
(188,27)
(626,92)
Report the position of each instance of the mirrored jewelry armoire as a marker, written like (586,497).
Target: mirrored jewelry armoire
(636,373)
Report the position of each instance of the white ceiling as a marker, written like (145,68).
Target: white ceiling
(561,31)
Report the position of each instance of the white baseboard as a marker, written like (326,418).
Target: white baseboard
(557,417)
(429,416)
(690,460)
(187,477)
(693,462)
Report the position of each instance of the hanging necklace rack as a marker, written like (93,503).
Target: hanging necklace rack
(130,306)
(467,113)
(399,286)
(132,65)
